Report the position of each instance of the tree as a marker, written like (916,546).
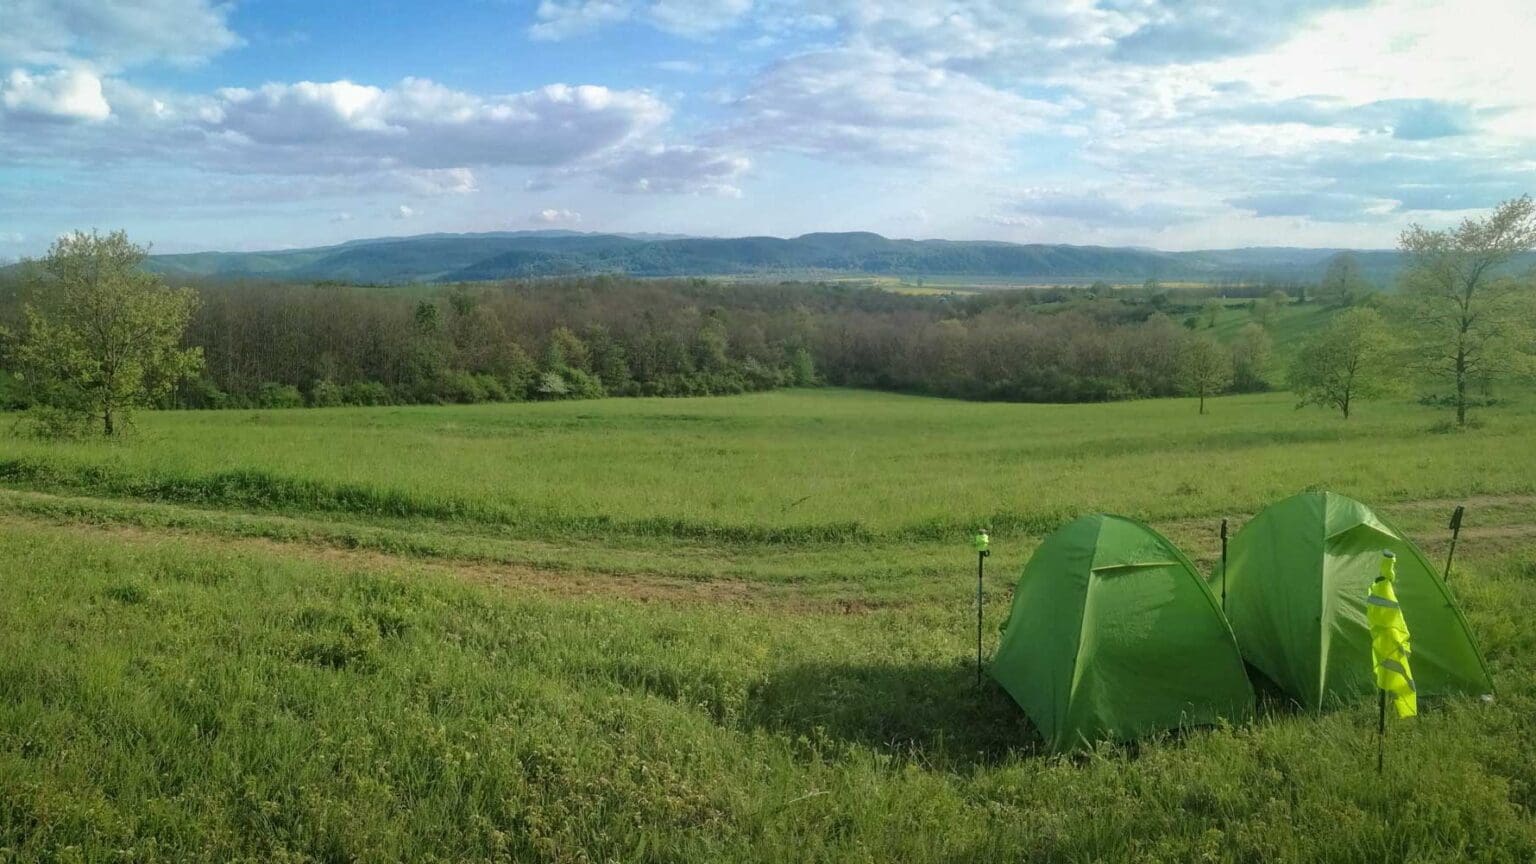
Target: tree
(1471,319)
(104,336)
(1342,282)
(1250,359)
(1210,311)
(802,368)
(1348,360)
(1205,367)
(565,350)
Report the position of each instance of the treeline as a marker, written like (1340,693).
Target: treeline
(267,344)
(276,345)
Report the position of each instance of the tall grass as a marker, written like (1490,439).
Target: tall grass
(784,468)
(182,700)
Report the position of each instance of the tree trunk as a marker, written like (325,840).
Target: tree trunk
(106,421)
(1202,402)
(1461,389)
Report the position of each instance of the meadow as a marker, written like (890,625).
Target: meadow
(726,629)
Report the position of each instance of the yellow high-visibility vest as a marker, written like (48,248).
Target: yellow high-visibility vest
(1389,640)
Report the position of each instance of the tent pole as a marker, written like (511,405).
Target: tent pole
(1223,566)
(1381,731)
(1455,527)
(981,558)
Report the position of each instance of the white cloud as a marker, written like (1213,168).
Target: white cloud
(667,169)
(681,67)
(64,94)
(562,19)
(553,216)
(697,18)
(861,103)
(113,33)
(676,169)
(440,181)
(340,125)
(404,211)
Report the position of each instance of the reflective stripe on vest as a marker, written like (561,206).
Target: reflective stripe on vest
(1390,642)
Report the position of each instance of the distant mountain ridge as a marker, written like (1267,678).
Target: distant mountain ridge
(515,254)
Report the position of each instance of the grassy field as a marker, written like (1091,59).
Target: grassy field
(732,629)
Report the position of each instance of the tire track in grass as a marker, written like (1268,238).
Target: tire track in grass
(367,546)
(643,588)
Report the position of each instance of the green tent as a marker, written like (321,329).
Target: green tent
(1299,575)
(1113,635)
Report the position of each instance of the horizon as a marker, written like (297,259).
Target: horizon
(196,125)
(661,236)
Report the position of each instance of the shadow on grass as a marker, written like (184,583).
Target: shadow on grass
(933,714)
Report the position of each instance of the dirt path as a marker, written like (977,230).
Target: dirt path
(645,588)
(1513,521)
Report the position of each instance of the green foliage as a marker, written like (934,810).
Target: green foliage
(1343,283)
(1348,360)
(202,392)
(103,336)
(1210,310)
(565,350)
(1251,350)
(326,394)
(802,369)
(279,396)
(13,392)
(365,393)
(1205,367)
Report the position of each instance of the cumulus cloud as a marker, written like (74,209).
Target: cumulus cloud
(1245,102)
(668,169)
(404,211)
(64,95)
(861,103)
(337,125)
(1133,115)
(562,19)
(1184,30)
(554,216)
(675,169)
(113,33)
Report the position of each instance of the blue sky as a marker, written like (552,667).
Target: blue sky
(1175,124)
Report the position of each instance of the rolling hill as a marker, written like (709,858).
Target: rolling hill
(502,255)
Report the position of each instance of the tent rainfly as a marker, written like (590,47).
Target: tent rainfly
(1113,635)
(1297,580)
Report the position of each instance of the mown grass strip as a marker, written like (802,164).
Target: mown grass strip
(251,490)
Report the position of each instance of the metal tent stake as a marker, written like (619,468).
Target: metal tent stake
(1381,731)
(1223,566)
(1455,532)
(981,558)
(981,543)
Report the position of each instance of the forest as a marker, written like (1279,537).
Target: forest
(274,344)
